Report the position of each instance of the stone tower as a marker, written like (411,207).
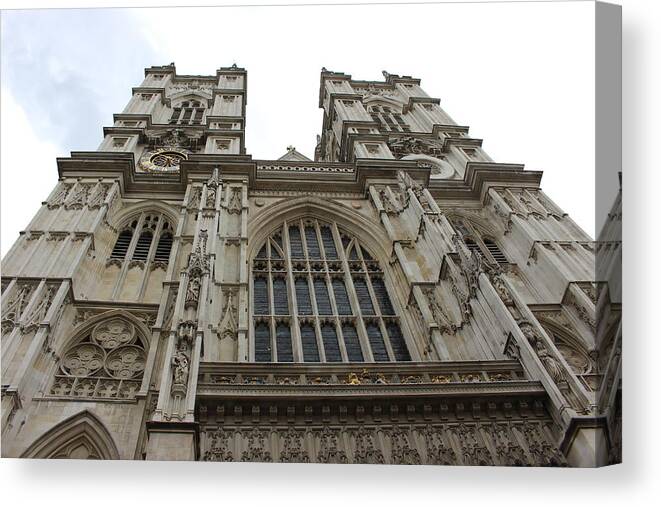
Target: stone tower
(400,299)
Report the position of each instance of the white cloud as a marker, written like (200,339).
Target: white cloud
(28,171)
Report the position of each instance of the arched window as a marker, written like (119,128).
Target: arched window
(108,362)
(123,242)
(478,242)
(188,112)
(388,120)
(495,251)
(319,296)
(149,228)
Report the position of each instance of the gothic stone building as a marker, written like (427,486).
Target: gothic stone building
(401,299)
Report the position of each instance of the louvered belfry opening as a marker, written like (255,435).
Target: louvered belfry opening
(149,228)
(122,243)
(319,296)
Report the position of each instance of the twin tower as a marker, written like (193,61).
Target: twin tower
(402,298)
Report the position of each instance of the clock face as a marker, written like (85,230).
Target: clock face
(163,161)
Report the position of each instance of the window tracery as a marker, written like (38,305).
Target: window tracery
(107,362)
(188,112)
(145,238)
(388,120)
(319,296)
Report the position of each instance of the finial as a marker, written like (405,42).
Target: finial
(323,69)
(234,65)
(385,74)
(290,148)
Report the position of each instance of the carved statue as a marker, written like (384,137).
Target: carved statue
(550,363)
(180,364)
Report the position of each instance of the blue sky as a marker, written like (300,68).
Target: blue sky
(501,69)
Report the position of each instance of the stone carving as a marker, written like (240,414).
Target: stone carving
(126,362)
(83,360)
(329,449)
(409,145)
(403,452)
(98,197)
(445,325)
(293,448)
(549,362)
(438,451)
(108,363)
(542,452)
(228,327)
(235,200)
(474,452)
(38,312)
(583,314)
(180,367)
(509,452)
(256,451)
(193,292)
(169,310)
(218,450)
(18,302)
(212,188)
(198,266)
(366,450)
(60,196)
(194,200)
(78,197)
(113,333)
(194,85)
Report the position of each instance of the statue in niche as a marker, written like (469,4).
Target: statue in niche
(180,364)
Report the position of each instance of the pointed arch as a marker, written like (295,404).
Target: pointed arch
(323,296)
(381,100)
(106,357)
(126,213)
(87,326)
(270,218)
(200,95)
(570,346)
(82,436)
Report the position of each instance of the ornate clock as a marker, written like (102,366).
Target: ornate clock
(162,160)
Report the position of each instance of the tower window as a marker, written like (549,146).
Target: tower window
(477,242)
(495,251)
(119,142)
(341,309)
(190,112)
(149,227)
(388,120)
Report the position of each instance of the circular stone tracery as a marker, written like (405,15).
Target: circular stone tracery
(113,333)
(113,346)
(83,360)
(125,362)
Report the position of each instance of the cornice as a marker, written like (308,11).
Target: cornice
(481,175)
(297,176)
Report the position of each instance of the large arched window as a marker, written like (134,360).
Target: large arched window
(153,241)
(319,296)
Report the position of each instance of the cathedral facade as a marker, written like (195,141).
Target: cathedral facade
(400,299)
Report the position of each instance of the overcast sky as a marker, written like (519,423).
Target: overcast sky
(520,75)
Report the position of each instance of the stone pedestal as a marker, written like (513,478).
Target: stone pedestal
(172,441)
(586,443)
